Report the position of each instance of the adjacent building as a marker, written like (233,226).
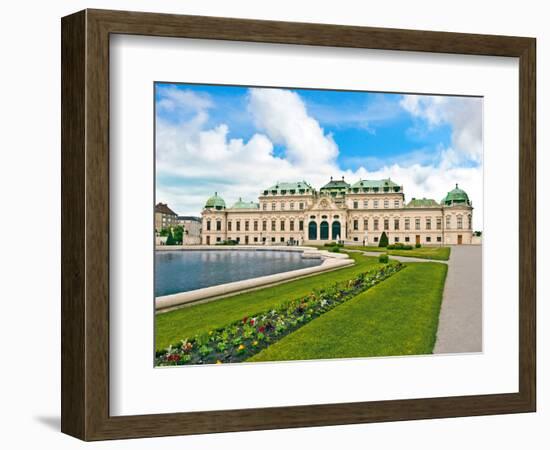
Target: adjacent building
(297,213)
(192,229)
(164,217)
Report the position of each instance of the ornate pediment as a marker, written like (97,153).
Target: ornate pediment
(325,204)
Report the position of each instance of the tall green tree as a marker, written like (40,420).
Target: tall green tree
(177,234)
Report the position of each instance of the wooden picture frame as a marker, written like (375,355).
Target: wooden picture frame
(85,224)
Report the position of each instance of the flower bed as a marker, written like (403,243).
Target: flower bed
(240,340)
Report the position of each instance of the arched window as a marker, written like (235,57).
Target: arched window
(312,231)
(324,230)
(336,230)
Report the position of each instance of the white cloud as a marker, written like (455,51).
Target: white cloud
(194,160)
(463,114)
(282,115)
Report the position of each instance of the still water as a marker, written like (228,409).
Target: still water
(180,271)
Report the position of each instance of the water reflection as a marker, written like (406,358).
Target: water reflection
(180,271)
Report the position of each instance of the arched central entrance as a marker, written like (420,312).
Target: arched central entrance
(324,230)
(312,231)
(336,230)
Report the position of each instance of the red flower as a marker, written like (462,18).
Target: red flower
(252,322)
(261,329)
(173,357)
(245,319)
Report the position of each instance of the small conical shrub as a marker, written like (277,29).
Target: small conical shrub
(383,240)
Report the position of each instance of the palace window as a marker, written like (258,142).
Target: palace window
(208,225)
(312,217)
(376,239)
(365,204)
(428,223)
(291,228)
(438,238)
(438,223)
(273,206)
(255,239)
(386,203)
(238,225)
(246,225)
(355,205)
(264,225)
(386,224)
(264,206)
(218,225)
(301,225)
(255,225)
(273,225)
(407,223)
(301,205)
(229,226)
(282,225)
(282,205)
(459,222)
(375,204)
(396,224)
(447,221)
(396,203)
(366,224)
(355,225)
(407,239)
(428,239)
(272,239)
(417,223)
(282,239)
(291,205)
(218,239)
(375,225)
(469,221)
(396,239)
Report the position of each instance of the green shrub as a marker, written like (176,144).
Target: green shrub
(335,249)
(383,258)
(383,240)
(407,247)
(418,245)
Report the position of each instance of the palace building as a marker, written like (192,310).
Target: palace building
(296,213)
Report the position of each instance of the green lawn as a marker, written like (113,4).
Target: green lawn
(437,253)
(173,326)
(397,317)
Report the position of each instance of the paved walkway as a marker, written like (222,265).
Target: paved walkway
(460,318)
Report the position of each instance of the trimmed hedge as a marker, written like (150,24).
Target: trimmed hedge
(383,258)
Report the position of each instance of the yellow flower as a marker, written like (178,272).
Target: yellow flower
(210,333)
(241,347)
(255,343)
(218,362)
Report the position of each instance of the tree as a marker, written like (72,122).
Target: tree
(170,240)
(383,240)
(177,234)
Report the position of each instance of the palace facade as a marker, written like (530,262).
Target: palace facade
(358,213)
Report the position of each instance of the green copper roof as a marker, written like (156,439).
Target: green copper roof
(456,196)
(335,185)
(422,203)
(245,205)
(215,202)
(298,187)
(385,185)
(375,184)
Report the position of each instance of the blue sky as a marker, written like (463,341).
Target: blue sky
(237,140)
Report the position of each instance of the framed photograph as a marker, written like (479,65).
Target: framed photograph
(273,225)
